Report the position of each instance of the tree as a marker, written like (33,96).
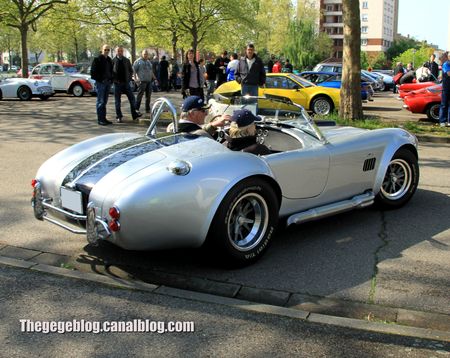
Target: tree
(22,15)
(9,40)
(199,17)
(121,16)
(350,104)
(401,45)
(304,46)
(416,56)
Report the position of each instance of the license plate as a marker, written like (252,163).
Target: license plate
(72,200)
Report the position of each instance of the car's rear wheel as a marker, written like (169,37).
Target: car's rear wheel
(433,112)
(78,90)
(24,93)
(1,95)
(400,180)
(322,105)
(244,223)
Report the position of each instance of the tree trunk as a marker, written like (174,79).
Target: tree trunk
(351,106)
(24,43)
(174,44)
(132,25)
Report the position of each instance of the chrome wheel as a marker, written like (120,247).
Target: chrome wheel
(77,91)
(397,180)
(248,221)
(24,93)
(433,112)
(322,106)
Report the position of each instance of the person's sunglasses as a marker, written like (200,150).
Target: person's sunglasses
(106,49)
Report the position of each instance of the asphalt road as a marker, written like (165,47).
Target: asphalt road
(397,258)
(220,331)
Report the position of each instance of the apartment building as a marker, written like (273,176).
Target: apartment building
(379,23)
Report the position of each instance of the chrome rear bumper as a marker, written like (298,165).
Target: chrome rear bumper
(96,227)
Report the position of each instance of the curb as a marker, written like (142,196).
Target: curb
(318,318)
(432,139)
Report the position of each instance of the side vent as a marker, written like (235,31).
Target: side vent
(369,164)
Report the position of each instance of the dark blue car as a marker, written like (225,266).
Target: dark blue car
(333,80)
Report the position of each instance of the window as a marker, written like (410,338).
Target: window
(364,17)
(364,29)
(363,42)
(365,4)
(329,7)
(279,82)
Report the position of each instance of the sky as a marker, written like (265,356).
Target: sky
(425,20)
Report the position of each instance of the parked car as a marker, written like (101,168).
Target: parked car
(328,67)
(319,100)
(76,84)
(406,88)
(379,79)
(425,100)
(25,89)
(19,73)
(388,80)
(165,190)
(334,80)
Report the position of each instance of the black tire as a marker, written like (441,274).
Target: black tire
(433,112)
(400,180)
(77,90)
(322,105)
(236,244)
(1,95)
(24,93)
(44,98)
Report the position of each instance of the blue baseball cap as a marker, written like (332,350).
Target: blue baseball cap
(244,117)
(194,102)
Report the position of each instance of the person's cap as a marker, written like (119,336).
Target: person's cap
(194,102)
(243,117)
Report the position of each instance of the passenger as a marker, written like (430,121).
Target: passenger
(192,118)
(242,133)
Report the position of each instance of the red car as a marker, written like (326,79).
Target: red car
(425,100)
(406,88)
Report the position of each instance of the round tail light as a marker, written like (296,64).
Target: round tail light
(34,182)
(114,225)
(114,212)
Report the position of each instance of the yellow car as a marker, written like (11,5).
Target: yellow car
(319,100)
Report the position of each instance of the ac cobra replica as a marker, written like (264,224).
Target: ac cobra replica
(162,190)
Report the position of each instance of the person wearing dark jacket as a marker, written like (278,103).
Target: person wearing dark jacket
(221,68)
(193,77)
(400,71)
(122,74)
(101,72)
(164,74)
(210,79)
(242,133)
(250,72)
(433,66)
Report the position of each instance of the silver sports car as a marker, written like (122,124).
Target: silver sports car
(162,190)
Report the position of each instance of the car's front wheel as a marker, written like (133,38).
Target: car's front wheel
(433,112)
(244,223)
(44,97)
(322,105)
(24,93)
(400,180)
(78,90)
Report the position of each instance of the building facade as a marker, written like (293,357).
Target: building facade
(379,24)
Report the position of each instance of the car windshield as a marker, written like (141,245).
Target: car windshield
(302,81)
(271,109)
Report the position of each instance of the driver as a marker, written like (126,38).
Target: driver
(242,133)
(192,118)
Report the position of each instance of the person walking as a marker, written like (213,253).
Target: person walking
(277,67)
(193,77)
(122,74)
(270,64)
(288,67)
(164,74)
(433,66)
(444,110)
(399,71)
(101,72)
(174,69)
(250,72)
(210,79)
(232,66)
(143,70)
(221,68)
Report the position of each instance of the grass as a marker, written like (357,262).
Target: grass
(374,123)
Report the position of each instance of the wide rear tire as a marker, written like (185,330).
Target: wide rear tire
(400,180)
(433,112)
(244,223)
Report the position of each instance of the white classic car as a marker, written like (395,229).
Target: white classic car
(76,83)
(25,89)
(170,190)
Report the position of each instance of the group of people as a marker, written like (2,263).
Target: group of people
(248,71)
(119,71)
(275,66)
(429,71)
